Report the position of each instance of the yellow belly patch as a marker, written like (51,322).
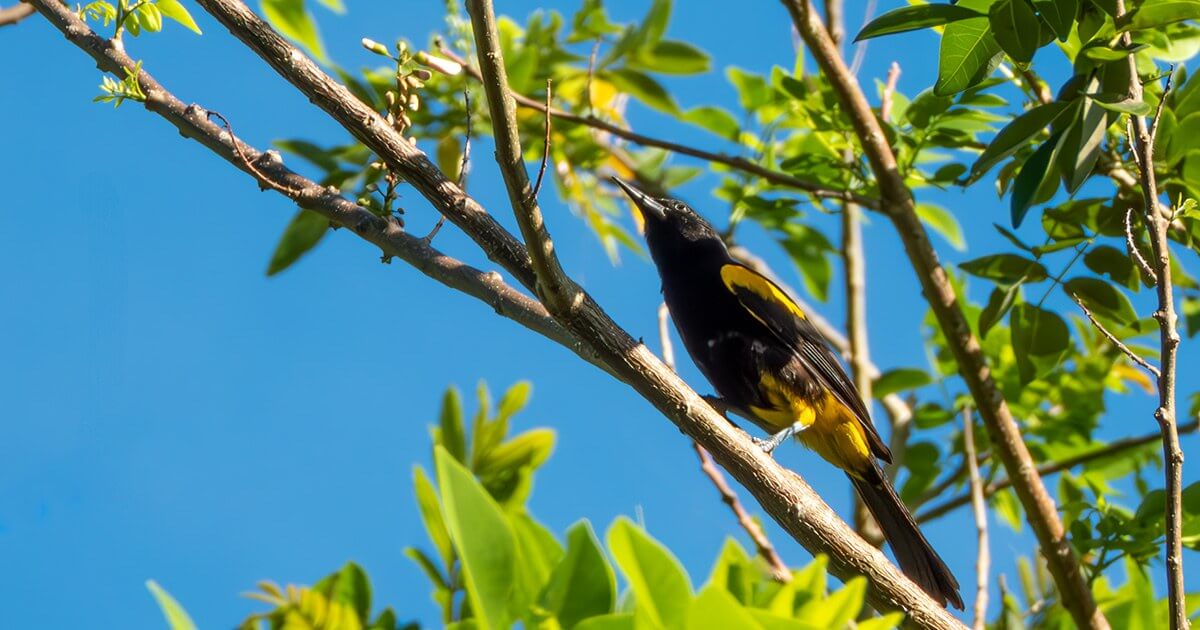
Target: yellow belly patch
(830,429)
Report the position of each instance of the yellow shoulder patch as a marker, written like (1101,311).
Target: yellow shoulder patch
(737,277)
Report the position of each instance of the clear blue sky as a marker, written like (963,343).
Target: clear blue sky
(171,413)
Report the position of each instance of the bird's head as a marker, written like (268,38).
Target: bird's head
(670,222)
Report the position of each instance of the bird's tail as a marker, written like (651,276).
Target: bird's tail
(916,556)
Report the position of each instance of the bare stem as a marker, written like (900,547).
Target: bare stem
(1158,223)
(537,186)
(1133,356)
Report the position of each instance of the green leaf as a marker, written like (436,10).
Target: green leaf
(306,229)
(1103,300)
(1121,104)
(1016,28)
(176,11)
(295,22)
(969,53)
(672,57)
(325,159)
(882,622)
(1081,144)
(538,553)
(1059,14)
(427,566)
(656,579)
(842,606)
(621,621)
(1035,183)
(1006,268)
(943,222)
(1115,264)
(732,571)
(450,422)
(915,17)
(150,17)
(483,538)
(348,586)
(333,5)
(1008,508)
(654,25)
(431,514)
(1190,308)
(714,119)
(899,380)
(1040,341)
(583,584)
(645,89)
(177,617)
(999,302)
(1158,13)
(531,448)
(716,609)
(1017,134)
(514,400)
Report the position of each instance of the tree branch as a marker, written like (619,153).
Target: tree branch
(268,170)
(983,559)
(898,205)
(1158,224)
(1133,356)
(738,163)
(1109,450)
(782,493)
(16,13)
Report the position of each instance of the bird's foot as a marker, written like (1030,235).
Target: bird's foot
(770,444)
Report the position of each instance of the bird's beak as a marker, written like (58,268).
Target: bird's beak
(647,204)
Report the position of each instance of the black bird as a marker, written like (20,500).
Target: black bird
(770,365)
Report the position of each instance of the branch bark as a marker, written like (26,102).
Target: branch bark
(898,205)
(782,493)
(1158,224)
(983,558)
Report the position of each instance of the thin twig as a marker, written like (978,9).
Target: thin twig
(860,49)
(1109,450)
(899,206)
(591,73)
(779,570)
(1131,244)
(463,164)
(889,90)
(738,163)
(537,186)
(16,13)
(983,558)
(1117,343)
(237,146)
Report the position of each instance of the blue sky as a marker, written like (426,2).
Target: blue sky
(172,413)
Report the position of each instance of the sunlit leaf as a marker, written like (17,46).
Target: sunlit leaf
(915,17)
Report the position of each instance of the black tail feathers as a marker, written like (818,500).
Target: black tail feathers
(916,556)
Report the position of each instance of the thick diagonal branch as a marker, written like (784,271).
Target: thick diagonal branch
(16,13)
(898,205)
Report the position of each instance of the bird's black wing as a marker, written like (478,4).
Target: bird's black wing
(767,303)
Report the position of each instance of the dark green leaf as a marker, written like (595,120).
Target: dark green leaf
(968,54)
(1035,183)
(583,584)
(672,57)
(450,421)
(1190,307)
(1103,300)
(899,380)
(326,159)
(1081,144)
(999,302)
(1006,268)
(302,234)
(1121,104)
(915,17)
(1059,14)
(1016,134)
(1040,340)
(1016,28)
(1115,264)
(483,538)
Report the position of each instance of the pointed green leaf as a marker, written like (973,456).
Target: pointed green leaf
(296,23)
(483,538)
(431,513)
(1059,14)
(177,617)
(640,86)
(714,119)
(899,380)
(656,579)
(1017,134)
(1036,182)
(1040,340)
(1158,13)
(450,421)
(1006,268)
(943,222)
(1081,144)
(715,609)
(915,17)
(583,584)
(1103,300)
(176,11)
(1016,28)
(999,302)
(969,52)
(306,229)
(620,621)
